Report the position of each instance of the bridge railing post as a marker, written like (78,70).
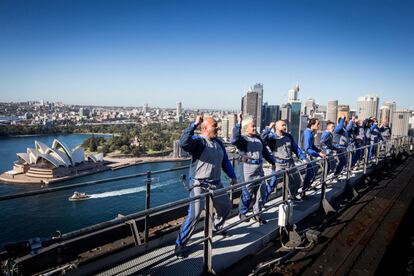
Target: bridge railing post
(349,167)
(147,205)
(208,234)
(286,185)
(233,163)
(379,145)
(365,160)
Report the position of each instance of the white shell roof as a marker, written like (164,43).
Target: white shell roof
(58,155)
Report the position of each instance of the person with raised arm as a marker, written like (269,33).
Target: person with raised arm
(252,152)
(283,146)
(209,157)
(312,152)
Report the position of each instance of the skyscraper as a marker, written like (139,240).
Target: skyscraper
(225,128)
(393,107)
(258,87)
(332,112)
(179,116)
(252,103)
(384,114)
(293,93)
(232,122)
(367,106)
(343,111)
(400,120)
(294,111)
(309,108)
(145,109)
(295,118)
(286,114)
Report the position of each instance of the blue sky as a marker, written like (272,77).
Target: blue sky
(205,53)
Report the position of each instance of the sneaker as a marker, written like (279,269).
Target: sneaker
(180,251)
(260,220)
(296,198)
(243,217)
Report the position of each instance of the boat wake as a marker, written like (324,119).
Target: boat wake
(130,190)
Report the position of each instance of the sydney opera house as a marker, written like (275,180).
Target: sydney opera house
(44,164)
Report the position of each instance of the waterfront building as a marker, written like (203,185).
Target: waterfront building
(44,163)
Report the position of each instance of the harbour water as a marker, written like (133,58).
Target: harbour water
(42,215)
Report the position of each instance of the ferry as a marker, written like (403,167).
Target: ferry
(79,196)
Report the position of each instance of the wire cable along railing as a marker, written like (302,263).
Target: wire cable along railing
(371,155)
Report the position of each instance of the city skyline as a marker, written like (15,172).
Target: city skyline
(132,53)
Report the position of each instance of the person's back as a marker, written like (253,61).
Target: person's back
(327,142)
(341,135)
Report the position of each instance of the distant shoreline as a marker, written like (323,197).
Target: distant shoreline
(119,162)
(75,133)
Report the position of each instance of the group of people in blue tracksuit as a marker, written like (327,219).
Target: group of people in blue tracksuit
(275,146)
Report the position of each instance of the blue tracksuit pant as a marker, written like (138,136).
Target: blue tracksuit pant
(221,204)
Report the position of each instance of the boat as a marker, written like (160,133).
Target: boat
(79,196)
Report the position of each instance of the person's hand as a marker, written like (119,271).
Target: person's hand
(233,181)
(199,119)
(240,117)
(322,154)
(272,125)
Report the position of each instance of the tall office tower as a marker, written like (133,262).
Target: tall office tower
(303,123)
(178,112)
(321,111)
(367,106)
(293,93)
(232,122)
(295,119)
(295,107)
(393,107)
(343,111)
(272,114)
(252,102)
(400,123)
(249,104)
(384,114)
(258,88)
(225,128)
(286,114)
(332,112)
(309,107)
(264,114)
(145,109)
